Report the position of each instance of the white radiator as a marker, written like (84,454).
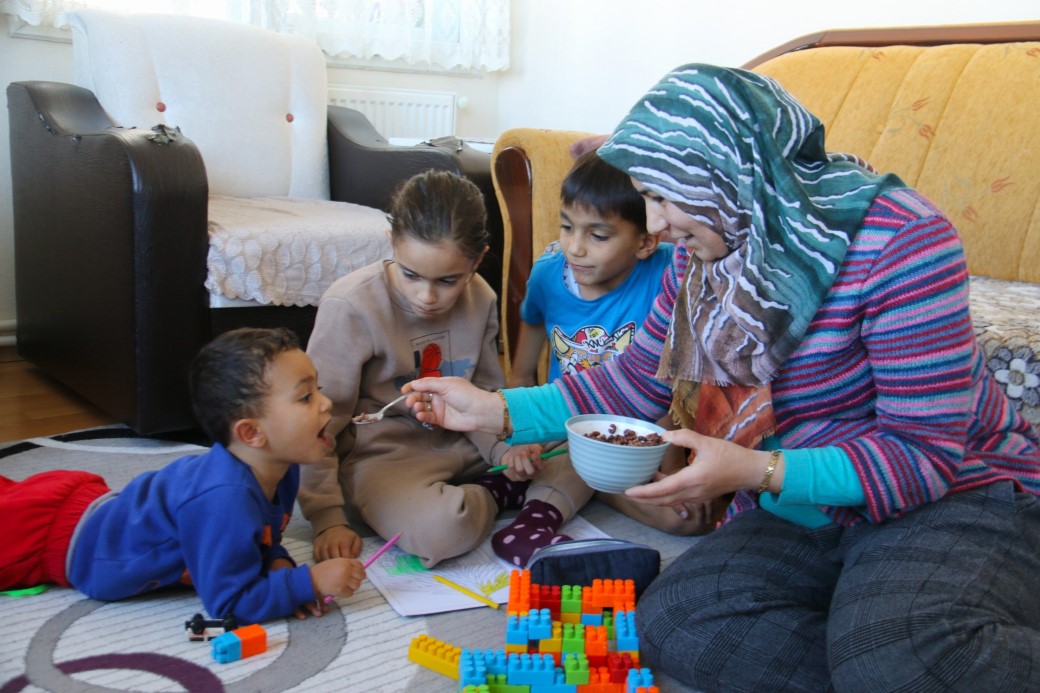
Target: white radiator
(400,113)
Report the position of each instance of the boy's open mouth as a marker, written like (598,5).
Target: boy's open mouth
(323,435)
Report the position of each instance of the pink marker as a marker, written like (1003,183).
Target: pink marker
(383,549)
(372,559)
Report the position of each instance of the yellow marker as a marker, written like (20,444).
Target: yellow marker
(468,593)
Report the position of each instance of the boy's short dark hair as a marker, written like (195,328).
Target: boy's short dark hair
(228,380)
(594,184)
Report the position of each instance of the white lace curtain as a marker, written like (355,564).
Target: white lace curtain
(441,34)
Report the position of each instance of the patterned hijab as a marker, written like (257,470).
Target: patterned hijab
(736,152)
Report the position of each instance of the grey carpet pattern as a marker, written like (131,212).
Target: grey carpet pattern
(62,641)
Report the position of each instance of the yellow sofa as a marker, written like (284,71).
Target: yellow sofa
(952,110)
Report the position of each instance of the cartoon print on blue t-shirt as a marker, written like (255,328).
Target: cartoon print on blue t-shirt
(590,346)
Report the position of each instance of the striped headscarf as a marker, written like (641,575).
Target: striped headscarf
(739,154)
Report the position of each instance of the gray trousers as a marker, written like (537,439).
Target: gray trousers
(946,598)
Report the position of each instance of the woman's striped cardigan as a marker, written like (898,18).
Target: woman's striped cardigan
(889,371)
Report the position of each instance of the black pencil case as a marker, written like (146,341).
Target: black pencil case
(581,561)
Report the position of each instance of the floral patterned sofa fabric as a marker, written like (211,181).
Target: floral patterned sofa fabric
(1006,316)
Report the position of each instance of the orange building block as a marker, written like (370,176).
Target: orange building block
(519,592)
(600,682)
(253,639)
(596,642)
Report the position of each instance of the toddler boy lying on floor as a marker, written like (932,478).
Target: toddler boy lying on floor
(213,521)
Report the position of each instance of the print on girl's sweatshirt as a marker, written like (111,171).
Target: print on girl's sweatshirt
(590,346)
(432,356)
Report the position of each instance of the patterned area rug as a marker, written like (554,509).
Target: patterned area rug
(61,641)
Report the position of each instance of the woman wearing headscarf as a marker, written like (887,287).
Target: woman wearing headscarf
(814,341)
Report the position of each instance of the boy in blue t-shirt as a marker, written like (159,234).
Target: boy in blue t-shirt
(586,297)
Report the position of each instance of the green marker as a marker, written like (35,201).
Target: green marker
(27,592)
(544,456)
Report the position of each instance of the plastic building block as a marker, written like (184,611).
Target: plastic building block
(499,683)
(639,680)
(618,663)
(472,669)
(239,643)
(596,645)
(559,685)
(573,637)
(436,655)
(528,669)
(516,630)
(600,682)
(554,643)
(539,624)
(496,661)
(482,688)
(519,592)
(476,665)
(570,599)
(576,668)
(548,598)
(625,638)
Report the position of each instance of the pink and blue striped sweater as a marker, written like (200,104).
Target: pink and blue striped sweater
(889,372)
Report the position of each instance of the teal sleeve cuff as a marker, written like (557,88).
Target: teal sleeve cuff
(813,477)
(820,476)
(538,414)
(805,515)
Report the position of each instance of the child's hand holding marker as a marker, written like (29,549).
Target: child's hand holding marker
(372,559)
(543,456)
(335,577)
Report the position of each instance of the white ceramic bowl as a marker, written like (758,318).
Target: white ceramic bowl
(610,467)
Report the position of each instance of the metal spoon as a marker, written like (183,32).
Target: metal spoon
(362,419)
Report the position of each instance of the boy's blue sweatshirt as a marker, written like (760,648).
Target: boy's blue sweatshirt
(201,520)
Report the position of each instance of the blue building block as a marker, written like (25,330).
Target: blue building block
(496,661)
(539,625)
(517,630)
(476,665)
(559,684)
(638,678)
(592,619)
(625,637)
(528,669)
(226,648)
(472,670)
(238,644)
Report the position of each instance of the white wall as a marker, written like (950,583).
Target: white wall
(20,60)
(576,64)
(581,64)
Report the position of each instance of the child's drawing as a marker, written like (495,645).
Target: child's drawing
(411,590)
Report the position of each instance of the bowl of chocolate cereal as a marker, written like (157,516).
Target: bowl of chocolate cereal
(614,453)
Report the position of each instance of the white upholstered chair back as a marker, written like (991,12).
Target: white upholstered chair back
(253,101)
